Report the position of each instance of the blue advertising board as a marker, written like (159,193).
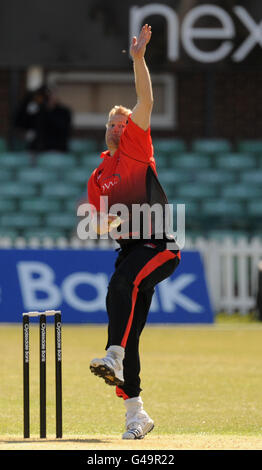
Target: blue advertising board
(75,281)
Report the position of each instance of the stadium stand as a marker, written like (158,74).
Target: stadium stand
(5,175)
(211,146)
(42,233)
(7,206)
(3,145)
(40,206)
(235,161)
(252,146)
(15,189)
(196,191)
(81,146)
(190,161)
(14,160)
(56,160)
(252,177)
(221,185)
(60,190)
(169,146)
(36,175)
(89,161)
(216,176)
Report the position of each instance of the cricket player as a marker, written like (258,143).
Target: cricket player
(127,175)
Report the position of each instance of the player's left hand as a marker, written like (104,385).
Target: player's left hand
(138,46)
(105,223)
(113,221)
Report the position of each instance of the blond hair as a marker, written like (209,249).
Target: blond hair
(119,109)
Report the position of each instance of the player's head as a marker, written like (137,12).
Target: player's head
(117,121)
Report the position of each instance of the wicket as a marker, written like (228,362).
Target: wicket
(58,370)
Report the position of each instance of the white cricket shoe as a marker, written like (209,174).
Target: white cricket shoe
(138,423)
(110,368)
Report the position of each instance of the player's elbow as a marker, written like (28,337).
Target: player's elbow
(148,104)
(151,101)
(150,107)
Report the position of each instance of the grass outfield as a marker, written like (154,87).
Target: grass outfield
(201,385)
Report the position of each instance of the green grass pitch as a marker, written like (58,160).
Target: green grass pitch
(196,380)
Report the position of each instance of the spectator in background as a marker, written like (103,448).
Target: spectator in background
(46,122)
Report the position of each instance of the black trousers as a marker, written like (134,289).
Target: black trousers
(138,269)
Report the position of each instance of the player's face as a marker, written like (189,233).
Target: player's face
(115,127)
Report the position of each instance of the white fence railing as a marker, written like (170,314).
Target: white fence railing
(231,266)
(232,272)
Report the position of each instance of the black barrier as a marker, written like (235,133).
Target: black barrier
(259,292)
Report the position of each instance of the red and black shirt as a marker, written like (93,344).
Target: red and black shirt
(129,177)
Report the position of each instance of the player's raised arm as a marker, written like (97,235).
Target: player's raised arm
(141,113)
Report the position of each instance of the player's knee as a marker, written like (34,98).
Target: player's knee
(119,282)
